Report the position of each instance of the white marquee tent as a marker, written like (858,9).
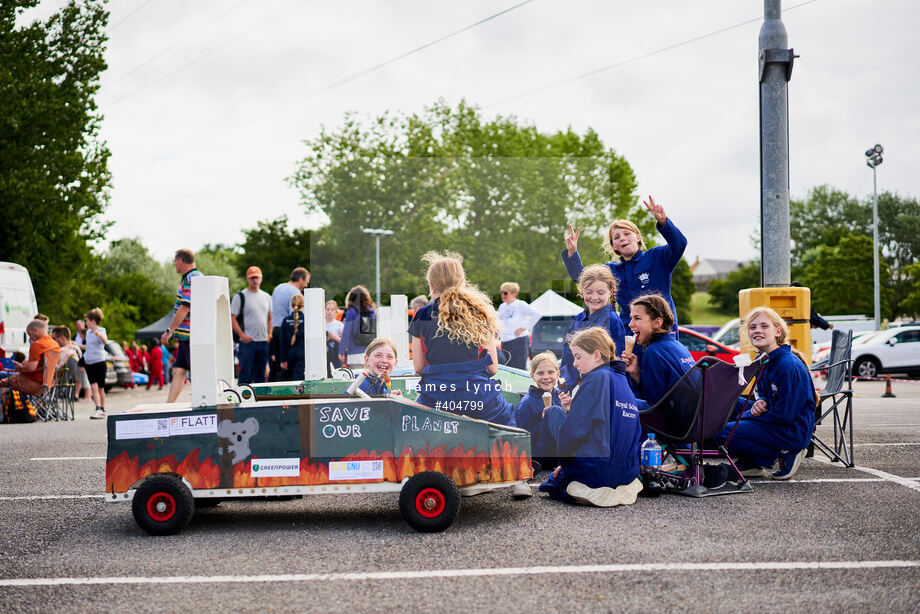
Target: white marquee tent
(551,304)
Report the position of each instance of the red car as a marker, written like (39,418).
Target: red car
(700,345)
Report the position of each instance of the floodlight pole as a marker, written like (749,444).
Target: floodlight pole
(377,233)
(876,294)
(775,69)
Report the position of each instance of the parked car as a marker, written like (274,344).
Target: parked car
(17,306)
(700,345)
(549,334)
(118,367)
(730,334)
(895,350)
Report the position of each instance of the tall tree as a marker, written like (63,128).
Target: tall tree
(723,293)
(495,190)
(275,249)
(841,279)
(53,166)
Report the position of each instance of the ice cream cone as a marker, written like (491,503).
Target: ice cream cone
(630,341)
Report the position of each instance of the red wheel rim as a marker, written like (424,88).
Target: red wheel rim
(430,503)
(161,506)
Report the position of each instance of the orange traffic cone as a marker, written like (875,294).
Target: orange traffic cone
(888,394)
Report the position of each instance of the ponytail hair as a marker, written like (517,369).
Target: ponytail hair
(656,306)
(465,314)
(296,305)
(594,339)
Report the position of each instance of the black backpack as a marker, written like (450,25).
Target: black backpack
(240,318)
(366,331)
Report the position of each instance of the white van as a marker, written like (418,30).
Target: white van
(17,306)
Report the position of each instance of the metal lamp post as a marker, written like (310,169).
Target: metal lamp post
(377,233)
(873,159)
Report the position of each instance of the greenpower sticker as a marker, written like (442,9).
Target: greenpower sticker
(274,467)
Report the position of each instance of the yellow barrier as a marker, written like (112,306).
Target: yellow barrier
(792,304)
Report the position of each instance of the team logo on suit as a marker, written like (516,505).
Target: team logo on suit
(643,278)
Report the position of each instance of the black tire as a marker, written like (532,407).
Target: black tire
(163,505)
(866,366)
(429,502)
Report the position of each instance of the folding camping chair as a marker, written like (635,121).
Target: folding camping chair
(695,409)
(65,393)
(45,402)
(839,368)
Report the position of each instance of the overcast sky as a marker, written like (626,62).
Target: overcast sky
(207,103)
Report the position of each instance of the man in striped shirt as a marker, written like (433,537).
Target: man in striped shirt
(184,262)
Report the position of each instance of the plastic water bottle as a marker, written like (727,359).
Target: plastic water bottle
(649,464)
(650,459)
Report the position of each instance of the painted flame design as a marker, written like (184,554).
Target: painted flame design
(505,462)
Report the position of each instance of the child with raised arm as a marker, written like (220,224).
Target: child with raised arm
(777,426)
(540,410)
(598,288)
(454,345)
(663,360)
(599,439)
(638,271)
(379,361)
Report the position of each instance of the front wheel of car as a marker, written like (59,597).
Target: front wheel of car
(429,502)
(866,367)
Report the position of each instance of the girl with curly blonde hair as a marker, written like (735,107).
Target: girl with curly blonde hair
(454,344)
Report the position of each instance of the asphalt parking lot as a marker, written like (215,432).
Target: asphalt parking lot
(832,538)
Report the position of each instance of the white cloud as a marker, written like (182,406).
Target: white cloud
(204,152)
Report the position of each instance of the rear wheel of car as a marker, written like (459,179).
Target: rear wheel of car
(866,366)
(429,502)
(163,505)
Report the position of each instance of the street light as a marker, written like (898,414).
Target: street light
(377,233)
(873,159)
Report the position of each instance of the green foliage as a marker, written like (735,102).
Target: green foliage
(275,249)
(217,260)
(497,191)
(682,290)
(827,216)
(910,305)
(841,278)
(53,166)
(723,293)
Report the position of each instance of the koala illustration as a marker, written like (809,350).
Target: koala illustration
(239,434)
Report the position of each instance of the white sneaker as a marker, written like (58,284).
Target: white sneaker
(520,490)
(628,493)
(600,497)
(98,415)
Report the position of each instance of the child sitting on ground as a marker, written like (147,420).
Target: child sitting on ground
(779,425)
(599,439)
(379,361)
(540,410)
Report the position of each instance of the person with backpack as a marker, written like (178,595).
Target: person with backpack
(360,326)
(251,319)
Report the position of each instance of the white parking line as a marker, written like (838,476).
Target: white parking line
(41,497)
(903,443)
(468,573)
(66,458)
(888,477)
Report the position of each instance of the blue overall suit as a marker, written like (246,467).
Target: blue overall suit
(599,440)
(789,422)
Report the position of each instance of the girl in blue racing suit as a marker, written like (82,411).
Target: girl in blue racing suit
(454,345)
(599,440)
